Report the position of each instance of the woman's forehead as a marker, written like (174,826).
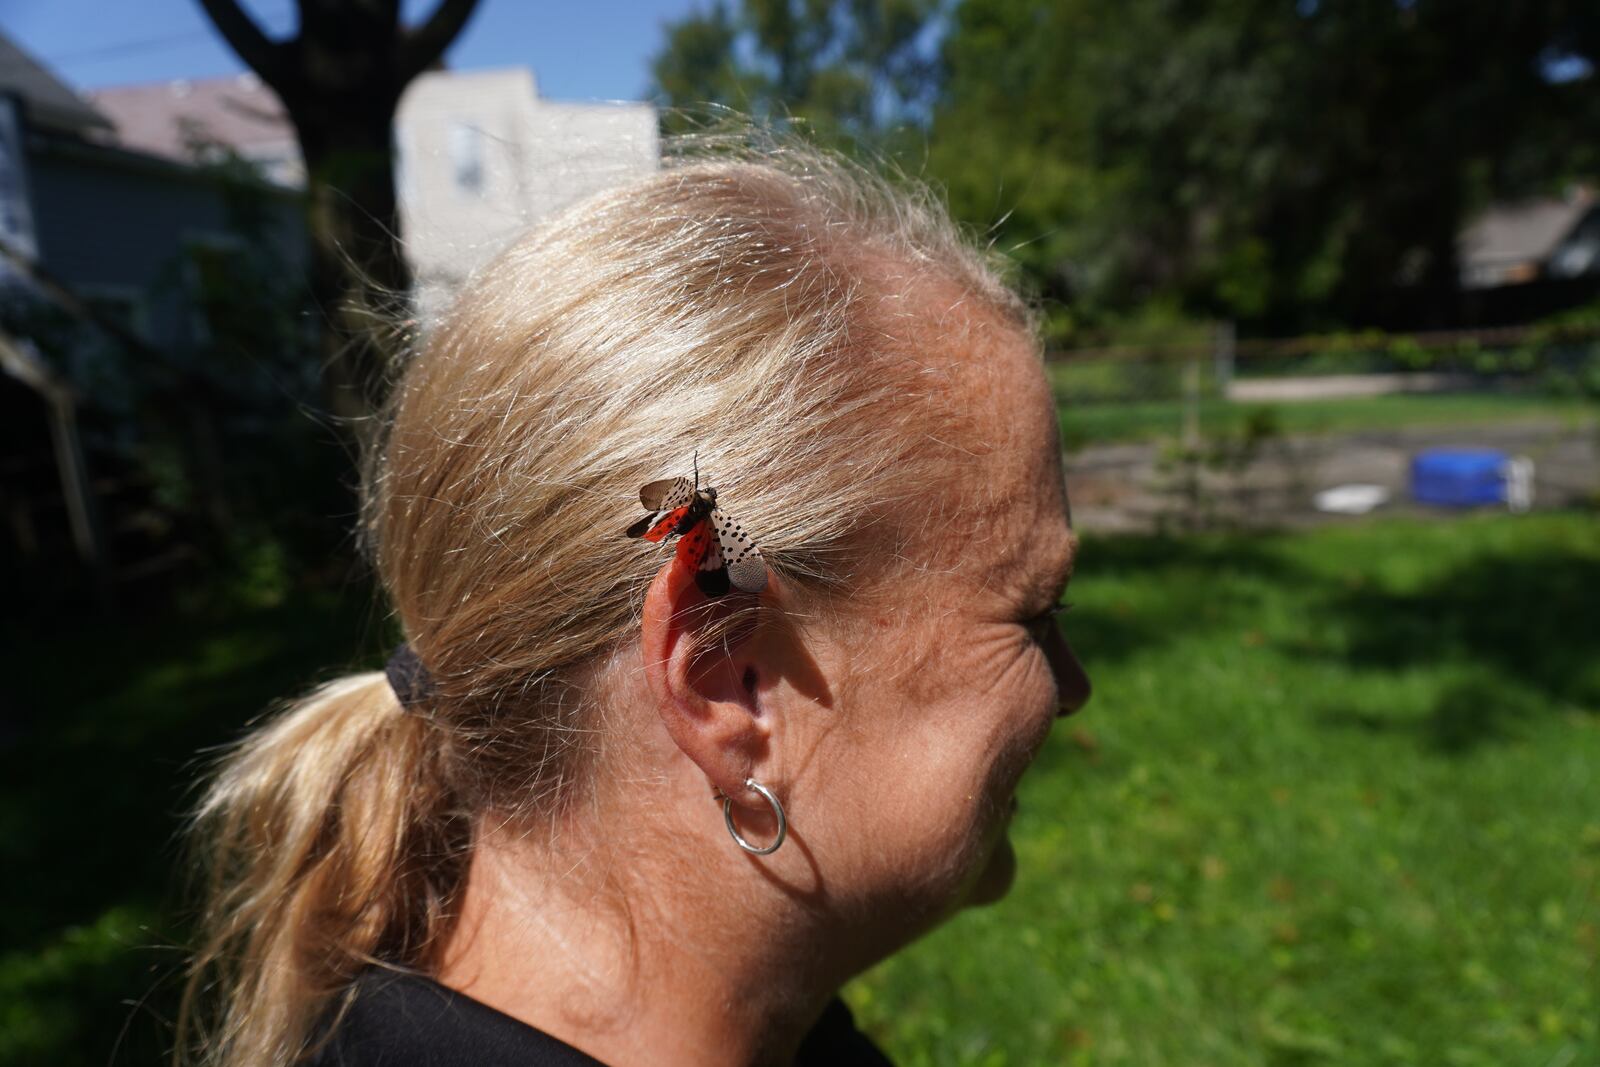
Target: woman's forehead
(1004,507)
(999,379)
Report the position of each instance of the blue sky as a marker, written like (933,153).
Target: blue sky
(593,50)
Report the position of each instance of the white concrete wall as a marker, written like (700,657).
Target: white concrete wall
(532,157)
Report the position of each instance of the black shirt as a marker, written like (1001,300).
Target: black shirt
(403,1020)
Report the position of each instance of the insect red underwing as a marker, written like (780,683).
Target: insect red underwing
(710,541)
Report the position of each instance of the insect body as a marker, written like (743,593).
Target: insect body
(709,539)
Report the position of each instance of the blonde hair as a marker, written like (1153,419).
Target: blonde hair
(749,305)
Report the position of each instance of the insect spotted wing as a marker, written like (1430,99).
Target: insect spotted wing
(709,539)
(668,502)
(740,557)
(667,494)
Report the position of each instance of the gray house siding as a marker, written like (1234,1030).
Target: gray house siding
(114,226)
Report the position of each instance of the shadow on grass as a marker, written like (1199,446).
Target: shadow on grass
(1200,582)
(1482,708)
(99,757)
(1516,626)
(1530,617)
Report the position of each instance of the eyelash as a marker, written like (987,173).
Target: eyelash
(1049,615)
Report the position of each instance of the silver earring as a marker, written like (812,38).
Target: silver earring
(777,809)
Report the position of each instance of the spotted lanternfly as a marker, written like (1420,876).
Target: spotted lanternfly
(709,539)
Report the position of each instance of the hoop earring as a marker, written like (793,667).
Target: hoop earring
(777,809)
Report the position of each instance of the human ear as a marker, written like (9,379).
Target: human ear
(702,670)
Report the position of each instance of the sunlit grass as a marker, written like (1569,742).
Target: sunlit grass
(1095,408)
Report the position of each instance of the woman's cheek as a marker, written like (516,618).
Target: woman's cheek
(1029,701)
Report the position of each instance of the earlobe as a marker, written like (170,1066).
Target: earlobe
(706,696)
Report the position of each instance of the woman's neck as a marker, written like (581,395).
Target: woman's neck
(693,966)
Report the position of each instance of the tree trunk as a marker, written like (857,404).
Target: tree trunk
(359,277)
(340,78)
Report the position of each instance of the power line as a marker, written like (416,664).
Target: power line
(114,51)
(149,44)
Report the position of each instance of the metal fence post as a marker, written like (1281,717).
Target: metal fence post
(1222,353)
(1191,402)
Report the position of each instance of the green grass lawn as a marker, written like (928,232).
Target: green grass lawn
(1094,409)
(1335,801)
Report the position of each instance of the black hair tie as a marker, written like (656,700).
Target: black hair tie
(409,679)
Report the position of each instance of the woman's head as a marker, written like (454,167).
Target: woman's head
(764,319)
(865,394)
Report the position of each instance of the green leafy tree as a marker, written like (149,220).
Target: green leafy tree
(852,69)
(1284,164)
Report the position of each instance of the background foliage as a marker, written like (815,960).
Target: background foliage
(1283,164)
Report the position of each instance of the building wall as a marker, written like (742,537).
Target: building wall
(482,158)
(114,226)
(480,155)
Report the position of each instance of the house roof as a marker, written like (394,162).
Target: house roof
(170,118)
(48,100)
(1526,232)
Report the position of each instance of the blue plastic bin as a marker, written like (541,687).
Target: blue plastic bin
(1459,477)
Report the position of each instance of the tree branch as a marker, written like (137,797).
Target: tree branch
(419,47)
(263,55)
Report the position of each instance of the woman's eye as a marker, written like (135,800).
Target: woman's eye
(1041,623)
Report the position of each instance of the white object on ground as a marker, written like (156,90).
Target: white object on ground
(1351,499)
(1519,484)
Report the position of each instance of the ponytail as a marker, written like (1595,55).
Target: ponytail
(331,840)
